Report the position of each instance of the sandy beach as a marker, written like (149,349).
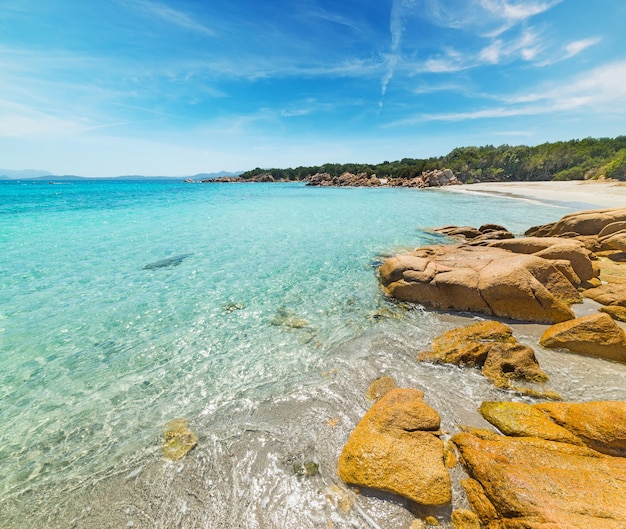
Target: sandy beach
(582,194)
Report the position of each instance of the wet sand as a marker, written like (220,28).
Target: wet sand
(581,194)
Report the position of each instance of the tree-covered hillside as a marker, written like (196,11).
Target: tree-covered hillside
(565,160)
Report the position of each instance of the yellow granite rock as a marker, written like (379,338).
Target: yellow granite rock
(393,448)
(595,335)
(532,483)
(179,439)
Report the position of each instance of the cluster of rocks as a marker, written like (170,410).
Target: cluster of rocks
(262,178)
(599,230)
(559,465)
(551,465)
(532,278)
(490,346)
(434,178)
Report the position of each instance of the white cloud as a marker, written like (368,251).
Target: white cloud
(526,47)
(508,14)
(488,18)
(600,90)
(492,53)
(578,46)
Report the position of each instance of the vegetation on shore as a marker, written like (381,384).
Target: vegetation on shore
(589,158)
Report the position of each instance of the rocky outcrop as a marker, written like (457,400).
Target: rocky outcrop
(532,483)
(260,178)
(598,425)
(472,276)
(572,252)
(434,178)
(488,345)
(595,335)
(488,280)
(395,448)
(344,180)
(590,222)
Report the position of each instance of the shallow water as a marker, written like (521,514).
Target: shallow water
(265,335)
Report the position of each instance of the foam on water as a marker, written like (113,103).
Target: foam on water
(265,336)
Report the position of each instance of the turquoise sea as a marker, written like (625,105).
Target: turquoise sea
(263,329)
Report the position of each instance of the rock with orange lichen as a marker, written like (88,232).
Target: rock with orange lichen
(600,425)
(524,420)
(608,294)
(464,519)
(491,346)
(395,448)
(616,312)
(595,335)
(531,483)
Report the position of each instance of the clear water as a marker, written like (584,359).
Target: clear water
(264,333)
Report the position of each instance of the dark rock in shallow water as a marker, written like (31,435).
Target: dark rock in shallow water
(170,261)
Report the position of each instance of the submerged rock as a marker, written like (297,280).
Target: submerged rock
(595,335)
(170,261)
(232,306)
(306,469)
(380,387)
(287,318)
(179,439)
(394,448)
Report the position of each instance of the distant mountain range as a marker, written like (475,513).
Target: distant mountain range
(35,174)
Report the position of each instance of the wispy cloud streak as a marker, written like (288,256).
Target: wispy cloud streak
(399,10)
(169,15)
(602,89)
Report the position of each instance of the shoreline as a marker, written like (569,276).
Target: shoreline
(588,194)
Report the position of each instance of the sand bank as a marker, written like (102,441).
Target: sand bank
(580,194)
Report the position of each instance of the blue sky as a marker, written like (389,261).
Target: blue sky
(157,87)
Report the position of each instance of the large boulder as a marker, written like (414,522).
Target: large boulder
(482,279)
(531,483)
(595,335)
(517,419)
(600,425)
(608,294)
(580,223)
(491,346)
(395,448)
(616,241)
